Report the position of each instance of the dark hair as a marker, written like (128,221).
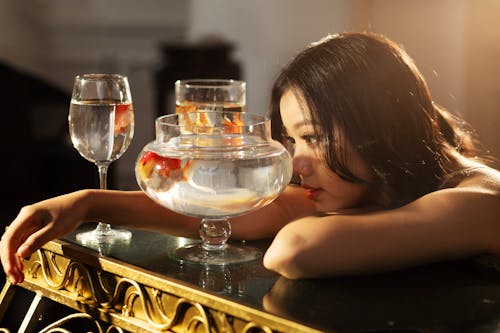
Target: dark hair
(368,88)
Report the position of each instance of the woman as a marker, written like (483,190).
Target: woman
(395,178)
(388,178)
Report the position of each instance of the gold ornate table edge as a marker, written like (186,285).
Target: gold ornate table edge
(134,299)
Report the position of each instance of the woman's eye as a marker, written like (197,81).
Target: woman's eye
(310,139)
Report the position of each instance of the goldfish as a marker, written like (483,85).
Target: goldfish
(166,167)
(233,126)
(202,122)
(124,117)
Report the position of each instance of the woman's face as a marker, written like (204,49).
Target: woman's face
(326,189)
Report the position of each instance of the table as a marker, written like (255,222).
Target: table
(137,287)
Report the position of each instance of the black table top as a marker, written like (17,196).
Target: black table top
(462,296)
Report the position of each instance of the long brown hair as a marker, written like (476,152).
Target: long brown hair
(367,87)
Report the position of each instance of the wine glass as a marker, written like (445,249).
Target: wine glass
(210,95)
(213,165)
(101,126)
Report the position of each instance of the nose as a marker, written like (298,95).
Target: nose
(302,161)
(302,166)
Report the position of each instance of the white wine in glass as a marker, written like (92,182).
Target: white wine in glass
(101,126)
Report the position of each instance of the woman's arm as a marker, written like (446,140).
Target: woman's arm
(446,224)
(136,210)
(43,221)
(265,222)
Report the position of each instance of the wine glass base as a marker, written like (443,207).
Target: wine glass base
(95,238)
(231,254)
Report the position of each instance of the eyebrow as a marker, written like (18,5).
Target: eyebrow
(303,107)
(300,124)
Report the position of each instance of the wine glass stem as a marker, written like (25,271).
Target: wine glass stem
(103,175)
(214,233)
(103,228)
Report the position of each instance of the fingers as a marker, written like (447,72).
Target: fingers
(19,272)
(34,226)
(14,237)
(13,252)
(11,262)
(33,242)
(14,270)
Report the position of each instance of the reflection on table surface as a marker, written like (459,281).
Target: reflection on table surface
(247,282)
(447,297)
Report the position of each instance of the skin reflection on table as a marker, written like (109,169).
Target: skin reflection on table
(445,298)
(448,297)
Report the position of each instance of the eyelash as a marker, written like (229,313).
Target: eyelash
(311,140)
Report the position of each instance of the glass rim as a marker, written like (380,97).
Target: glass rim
(100,76)
(209,82)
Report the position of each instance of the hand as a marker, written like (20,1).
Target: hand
(34,226)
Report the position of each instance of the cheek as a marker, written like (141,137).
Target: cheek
(346,198)
(361,170)
(352,192)
(343,194)
(358,167)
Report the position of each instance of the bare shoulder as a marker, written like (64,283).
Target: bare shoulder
(480,176)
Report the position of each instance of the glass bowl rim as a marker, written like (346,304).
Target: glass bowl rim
(261,120)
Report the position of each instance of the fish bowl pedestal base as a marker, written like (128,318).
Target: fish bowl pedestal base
(229,254)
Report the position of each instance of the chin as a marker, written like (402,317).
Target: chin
(327,208)
(333,207)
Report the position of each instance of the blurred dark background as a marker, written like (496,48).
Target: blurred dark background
(39,161)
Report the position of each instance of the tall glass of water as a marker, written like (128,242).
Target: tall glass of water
(101,126)
(210,95)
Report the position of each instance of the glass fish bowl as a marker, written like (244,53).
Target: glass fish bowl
(213,165)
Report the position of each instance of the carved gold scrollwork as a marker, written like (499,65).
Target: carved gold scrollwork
(70,276)
(255,328)
(222,322)
(134,297)
(106,282)
(133,302)
(226,323)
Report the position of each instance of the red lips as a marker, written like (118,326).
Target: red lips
(311,192)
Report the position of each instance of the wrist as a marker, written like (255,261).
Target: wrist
(86,202)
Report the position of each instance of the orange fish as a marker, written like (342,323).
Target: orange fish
(202,125)
(166,167)
(186,108)
(123,117)
(234,126)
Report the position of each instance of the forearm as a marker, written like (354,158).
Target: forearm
(267,221)
(451,224)
(134,209)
